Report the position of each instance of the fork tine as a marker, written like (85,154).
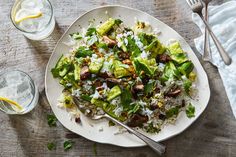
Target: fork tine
(189,2)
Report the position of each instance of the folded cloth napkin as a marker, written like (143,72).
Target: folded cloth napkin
(222,19)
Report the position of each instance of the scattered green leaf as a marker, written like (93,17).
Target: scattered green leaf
(95,149)
(51,146)
(52,120)
(68,145)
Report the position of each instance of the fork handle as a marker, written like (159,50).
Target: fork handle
(207,50)
(227,60)
(157,147)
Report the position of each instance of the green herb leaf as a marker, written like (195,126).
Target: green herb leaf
(118,21)
(151,129)
(86,97)
(148,88)
(95,149)
(126,98)
(133,47)
(102,45)
(52,120)
(190,111)
(51,146)
(111,123)
(68,145)
(134,109)
(171,112)
(83,51)
(91,31)
(76,36)
(187,86)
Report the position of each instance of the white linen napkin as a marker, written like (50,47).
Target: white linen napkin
(222,19)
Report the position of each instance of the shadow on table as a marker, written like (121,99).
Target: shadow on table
(32,129)
(47,45)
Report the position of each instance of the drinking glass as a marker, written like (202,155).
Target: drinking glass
(19,87)
(34,18)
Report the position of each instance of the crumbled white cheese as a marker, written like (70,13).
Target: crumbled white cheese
(76,92)
(96,95)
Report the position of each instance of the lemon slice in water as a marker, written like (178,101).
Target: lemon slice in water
(11,102)
(21,18)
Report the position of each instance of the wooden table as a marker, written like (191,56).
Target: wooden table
(213,134)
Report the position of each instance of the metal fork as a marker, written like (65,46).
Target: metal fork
(207,50)
(157,147)
(197,6)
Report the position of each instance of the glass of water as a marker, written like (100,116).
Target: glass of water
(17,86)
(34,18)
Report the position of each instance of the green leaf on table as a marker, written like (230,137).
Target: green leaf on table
(68,145)
(95,149)
(51,146)
(190,111)
(52,120)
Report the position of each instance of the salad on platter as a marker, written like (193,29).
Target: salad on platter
(127,73)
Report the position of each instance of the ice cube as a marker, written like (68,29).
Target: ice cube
(3,83)
(43,21)
(22,87)
(12,78)
(32,4)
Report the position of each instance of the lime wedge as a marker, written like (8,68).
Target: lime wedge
(37,15)
(11,102)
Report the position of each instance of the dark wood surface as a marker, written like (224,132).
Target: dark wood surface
(212,135)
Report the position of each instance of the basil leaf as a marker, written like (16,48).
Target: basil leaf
(90,31)
(52,120)
(83,51)
(76,36)
(86,98)
(190,111)
(68,145)
(51,146)
(126,98)
(95,149)
(148,88)
(171,112)
(187,86)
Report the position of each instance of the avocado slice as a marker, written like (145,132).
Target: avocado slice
(106,26)
(120,71)
(113,93)
(96,65)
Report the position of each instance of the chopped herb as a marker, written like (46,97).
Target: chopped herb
(51,146)
(91,31)
(171,112)
(68,145)
(187,86)
(134,108)
(126,98)
(148,88)
(95,149)
(111,123)
(86,97)
(83,51)
(52,120)
(118,21)
(76,36)
(190,111)
(152,129)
